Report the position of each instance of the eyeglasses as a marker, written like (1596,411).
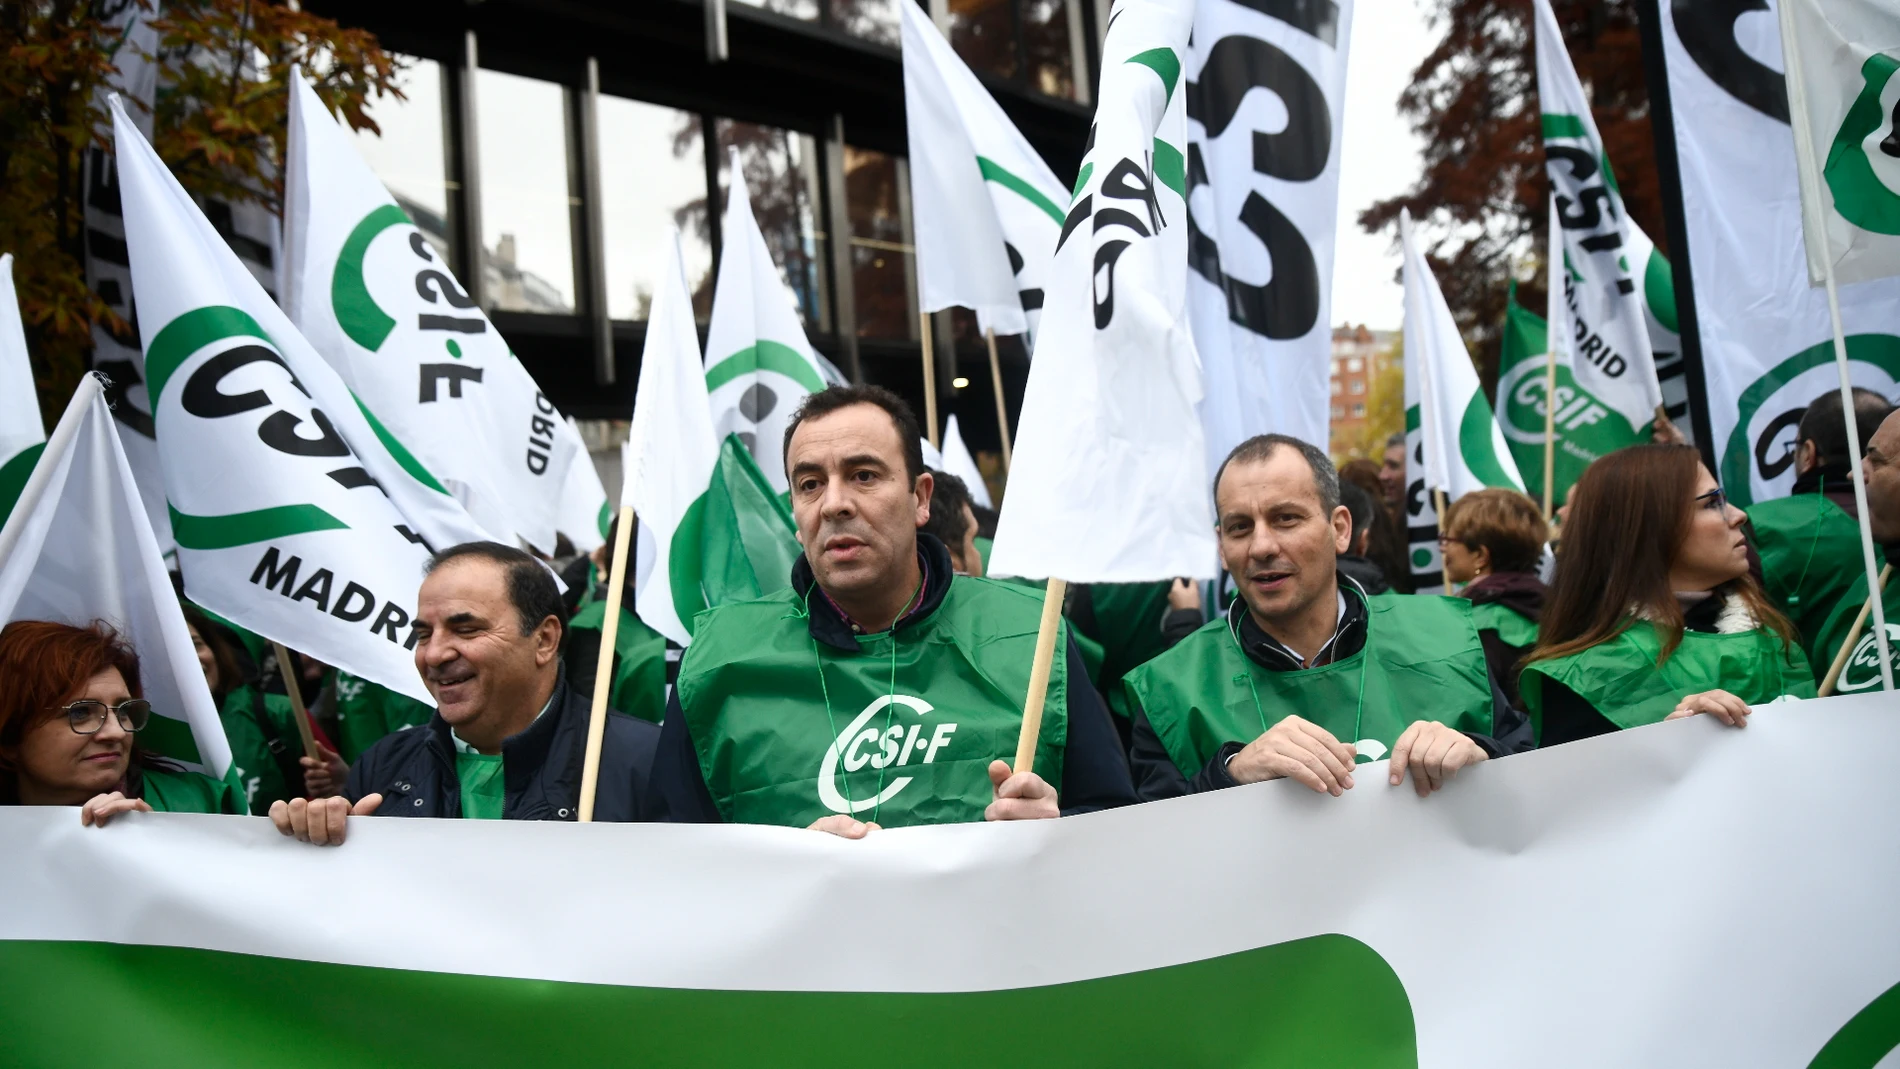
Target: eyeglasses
(87,716)
(1715,500)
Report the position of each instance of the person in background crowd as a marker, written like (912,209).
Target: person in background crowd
(1304,674)
(1809,541)
(1353,563)
(637,683)
(509,735)
(70,713)
(895,680)
(1392,473)
(1493,542)
(266,746)
(366,711)
(953,522)
(1387,546)
(1881,468)
(1654,615)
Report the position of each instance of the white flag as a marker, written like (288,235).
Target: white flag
(759,366)
(958,462)
(985,208)
(1109,480)
(21,431)
(584,510)
(1464,448)
(1610,348)
(385,311)
(1844,96)
(78,548)
(297,515)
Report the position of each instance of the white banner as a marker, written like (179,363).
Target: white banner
(1263,198)
(21,428)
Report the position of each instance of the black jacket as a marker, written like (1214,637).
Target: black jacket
(1094,772)
(1157,777)
(1521,592)
(414,770)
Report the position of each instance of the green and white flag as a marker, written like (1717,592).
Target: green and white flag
(758,364)
(1844,96)
(958,462)
(1110,441)
(21,432)
(297,515)
(372,297)
(1463,447)
(584,512)
(1612,357)
(985,208)
(79,548)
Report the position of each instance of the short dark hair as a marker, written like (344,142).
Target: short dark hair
(1360,504)
(1261,446)
(1823,424)
(531,587)
(947,520)
(832,398)
(1395,438)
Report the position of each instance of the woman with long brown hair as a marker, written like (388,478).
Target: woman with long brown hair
(1653,614)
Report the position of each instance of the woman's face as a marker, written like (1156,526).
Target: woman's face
(1462,563)
(1714,551)
(59,766)
(206,660)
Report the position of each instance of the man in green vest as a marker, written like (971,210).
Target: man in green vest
(1809,541)
(1881,465)
(636,684)
(881,688)
(1305,675)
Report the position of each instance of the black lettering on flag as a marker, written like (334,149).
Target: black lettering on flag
(1129,180)
(433,374)
(355,479)
(444,288)
(279,431)
(541,402)
(316,588)
(1082,210)
(392,619)
(411,535)
(454,323)
(273,571)
(202,397)
(343,611)
(1104,280)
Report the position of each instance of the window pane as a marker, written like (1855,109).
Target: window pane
(882,270)
(798,9)
(1046,42)
(652,175)
(875,20)
(527,194)
(781,173)
(984,33)
(410,156)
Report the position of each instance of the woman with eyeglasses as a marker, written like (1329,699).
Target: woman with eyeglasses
(70,714)
(1653,614)
(1492,541)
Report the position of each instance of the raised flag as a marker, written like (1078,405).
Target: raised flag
(985,208)
(371,296)
(584,513)
(22,434)
(759,365)
(958,462)
(1110,439)
(79,548)
(297,515)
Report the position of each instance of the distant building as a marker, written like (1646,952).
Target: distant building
(1354,362)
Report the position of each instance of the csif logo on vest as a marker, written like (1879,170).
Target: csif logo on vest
(880,748)
(1862,671)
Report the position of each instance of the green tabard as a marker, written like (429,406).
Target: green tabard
(1810,559)
(189,792)
(1862,671)
(1422,661)
(763,728)
(639,670)
(1513,627)
(1623,680)
(256,768)
(365,712)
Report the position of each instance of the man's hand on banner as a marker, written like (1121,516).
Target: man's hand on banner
(322,822)
(1296,749)
(324,778)
(844,827)
(101,808)
(1434,753)
(1720,704)
(1020,795)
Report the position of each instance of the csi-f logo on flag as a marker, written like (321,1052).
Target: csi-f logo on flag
(882,746)
(1863,164)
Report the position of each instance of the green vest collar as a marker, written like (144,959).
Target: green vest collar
(830,627)
(1349,632)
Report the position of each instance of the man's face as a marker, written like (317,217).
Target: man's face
(470,650)
(1392,475)
(1881,465)
(1276,539)
(856,508)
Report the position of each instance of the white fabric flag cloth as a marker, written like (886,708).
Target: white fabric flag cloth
(20,425)
(671,448)
(381,307)
(297,515)
(1110,441)
(1845,109)
(759,365)
(584,510)
(1611,355)
(985,208)
(1464,448)
(78,548)
(957,461)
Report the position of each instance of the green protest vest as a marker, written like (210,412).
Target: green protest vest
(1513,627)
(901,732)
(1810,558)
(257,768)
(639,672)
(1422,661)
(1129,617)
(365,712)
(1862,671)
(1626,680)
(189,792)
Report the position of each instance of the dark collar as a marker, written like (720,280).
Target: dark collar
(1832,481)
(1521,592)
(1349,636)
(523,752)
(828,623)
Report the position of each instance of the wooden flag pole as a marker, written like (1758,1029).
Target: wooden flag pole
(294,691)
(603,669)
(930,384)
(1039,674)
(1853,636)
(1550,431)
(1438,508)
(1002,409)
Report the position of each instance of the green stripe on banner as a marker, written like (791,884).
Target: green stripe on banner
(995,172)
(13,476)
(244,528)
(765,356)
(1563,126)
(189,333)
(1327,1000)
(404,458)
